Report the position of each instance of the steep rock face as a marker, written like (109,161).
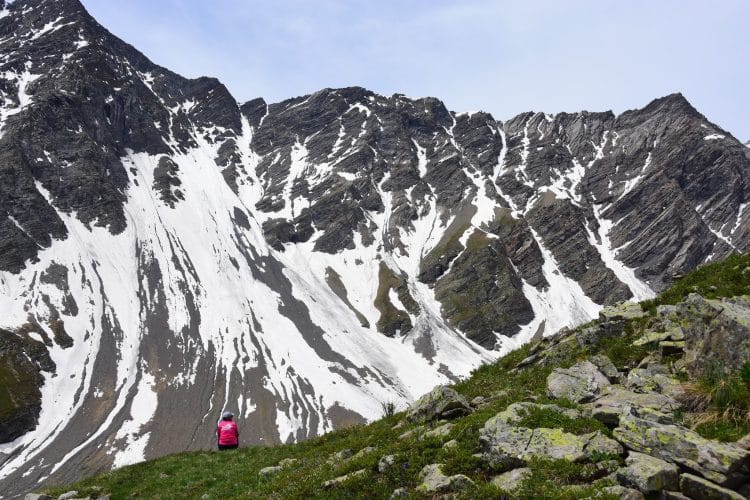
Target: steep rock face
(300,262)
(22,359)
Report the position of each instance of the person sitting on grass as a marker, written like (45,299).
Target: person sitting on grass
(227,432)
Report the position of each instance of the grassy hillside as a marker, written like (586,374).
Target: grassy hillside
(235,474)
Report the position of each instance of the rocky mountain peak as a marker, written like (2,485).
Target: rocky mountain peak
(674,104)
(310,257)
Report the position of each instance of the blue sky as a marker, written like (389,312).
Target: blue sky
(504,57)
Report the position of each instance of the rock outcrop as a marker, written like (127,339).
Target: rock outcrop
(716,331)
(580,383)
(440,403)
(721,463)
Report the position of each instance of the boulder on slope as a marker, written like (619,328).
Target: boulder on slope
(617,401)
(580,383)
(722,463)
(435,481)
(716,331)
(648,474)
(440,403)
(509,446)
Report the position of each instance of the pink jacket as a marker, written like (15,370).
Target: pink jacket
(228,433)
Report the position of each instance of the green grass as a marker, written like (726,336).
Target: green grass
(727,431)
(727,278)
(718,403)
(235,473)
(545,417)
(549,479)
(620,349)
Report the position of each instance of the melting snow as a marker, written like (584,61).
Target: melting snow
(632,183)
(601,241)
(561,304)
(421,159)
(740,213)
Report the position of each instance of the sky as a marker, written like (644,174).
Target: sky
(503,57)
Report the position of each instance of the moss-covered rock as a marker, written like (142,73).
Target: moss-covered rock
(435,481)
(718,462)
(697,487)
(648,474)
(581,382)
(508,446)
(716,331)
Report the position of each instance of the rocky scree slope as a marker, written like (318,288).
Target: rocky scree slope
(601,411)
(166,252)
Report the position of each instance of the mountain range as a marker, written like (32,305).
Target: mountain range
(167,253)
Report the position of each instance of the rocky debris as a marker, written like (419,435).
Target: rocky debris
(413,433)
(617,401)
(478,402)
(528,360)
(565,344)
(509,481)
(623,493)
(68,495)
(270,470)
(288,462)
(721,463)
(283,464)
(623,310)
(37,496)
(744,442)
(340,456)
(593,335)
(651,338)
(516,412)
(386,462)
(440,431)
(450,444)
(716,331)
(580,383)
(654,378)
(434,481)
(673,495)
(648,474)
(484,401)
(442,403)
(668,331)
(400,493)
(346,477)
(361,453)
(671,347)
(605,365)
(697,487)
